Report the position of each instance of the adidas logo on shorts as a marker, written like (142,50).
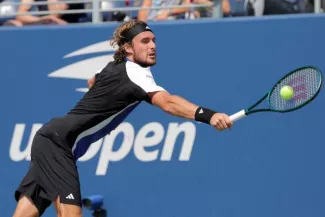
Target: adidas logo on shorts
(70,196)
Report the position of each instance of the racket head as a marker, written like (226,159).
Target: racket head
(306,83)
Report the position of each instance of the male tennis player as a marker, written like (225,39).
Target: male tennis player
(113,94)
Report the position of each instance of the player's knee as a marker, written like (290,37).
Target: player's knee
(26,208)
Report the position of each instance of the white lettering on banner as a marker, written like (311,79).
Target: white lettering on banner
(15,152)
(149,136)
(108,154)
(174,130)
(142,141)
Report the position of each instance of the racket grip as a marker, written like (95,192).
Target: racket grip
(239,115)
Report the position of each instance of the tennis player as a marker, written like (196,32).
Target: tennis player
(114,93)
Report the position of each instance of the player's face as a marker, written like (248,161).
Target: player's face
(144,49)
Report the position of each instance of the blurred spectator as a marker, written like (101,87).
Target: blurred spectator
(272,7)
(114,15)
(47,19)
(51,18)
(309,6)
(7,11)
(73,18)
(162,14)
(207,11)
(226,8)
(13,22)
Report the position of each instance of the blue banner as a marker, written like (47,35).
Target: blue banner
(158,165)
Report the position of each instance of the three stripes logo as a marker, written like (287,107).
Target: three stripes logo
(70,196)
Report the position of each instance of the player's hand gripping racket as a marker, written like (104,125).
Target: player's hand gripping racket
(305,82)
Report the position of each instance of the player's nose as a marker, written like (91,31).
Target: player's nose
(152,45)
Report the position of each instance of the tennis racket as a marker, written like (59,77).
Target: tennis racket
(306,83)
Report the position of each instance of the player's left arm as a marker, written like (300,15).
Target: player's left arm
(91,82)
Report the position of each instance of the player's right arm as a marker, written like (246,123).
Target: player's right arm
(173,104)
(180,107)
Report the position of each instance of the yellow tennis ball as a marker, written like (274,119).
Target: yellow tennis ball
(286,92)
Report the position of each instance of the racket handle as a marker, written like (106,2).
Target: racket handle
(239,115)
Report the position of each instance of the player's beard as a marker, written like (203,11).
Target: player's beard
(143,61)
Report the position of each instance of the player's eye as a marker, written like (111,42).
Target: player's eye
(145,40)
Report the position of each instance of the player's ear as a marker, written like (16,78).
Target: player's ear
(128,48)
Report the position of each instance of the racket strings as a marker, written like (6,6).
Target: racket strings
(305,83)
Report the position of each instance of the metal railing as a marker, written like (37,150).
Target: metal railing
(317,6)
(94,7)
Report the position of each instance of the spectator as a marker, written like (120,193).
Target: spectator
(272,7)
(7,11)
(162,14)
(13,22)
(73,18)
(114,15)
(48,19)
(207,11)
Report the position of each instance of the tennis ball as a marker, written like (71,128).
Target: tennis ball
(286,92)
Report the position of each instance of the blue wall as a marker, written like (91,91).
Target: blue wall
(268,165)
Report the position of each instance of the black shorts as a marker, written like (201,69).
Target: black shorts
(52,173)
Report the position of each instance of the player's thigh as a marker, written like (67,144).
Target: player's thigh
(26,208)
(67,210)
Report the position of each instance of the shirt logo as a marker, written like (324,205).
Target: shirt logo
(70,197)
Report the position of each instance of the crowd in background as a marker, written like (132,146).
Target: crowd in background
(204,8)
